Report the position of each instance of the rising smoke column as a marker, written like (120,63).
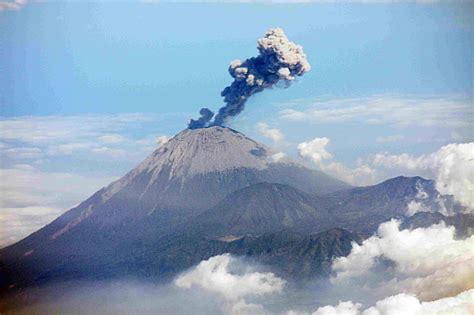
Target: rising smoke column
(279,61)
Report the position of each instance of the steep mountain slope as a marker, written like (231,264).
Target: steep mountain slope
(262,208)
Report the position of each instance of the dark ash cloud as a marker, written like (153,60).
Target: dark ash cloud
(279,60)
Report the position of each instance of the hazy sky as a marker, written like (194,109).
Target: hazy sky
(86,88)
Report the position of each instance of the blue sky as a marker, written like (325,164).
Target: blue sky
(70,58)
(86,88)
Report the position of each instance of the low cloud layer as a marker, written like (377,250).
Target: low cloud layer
(403,304)
(427,262)
(215,275)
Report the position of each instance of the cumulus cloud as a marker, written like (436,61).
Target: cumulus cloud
(216,275)
(162,140)
(428,262)
(405,304)
(315,150)
(272,133)
(343,308)
(452,166)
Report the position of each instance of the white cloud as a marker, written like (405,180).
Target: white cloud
(452,166)
(30,198)
(316,151)
(278,157)
(272,133)
(407,305)
(214,275)
(428,262)
(162,140)
(388,110)
(417,205)
(360,175)
(343,308)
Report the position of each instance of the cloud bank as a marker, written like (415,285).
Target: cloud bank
(215,275)
(427,262)
(404,304)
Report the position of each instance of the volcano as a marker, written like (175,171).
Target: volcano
(206,192)
(191,173)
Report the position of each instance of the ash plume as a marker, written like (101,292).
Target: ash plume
(279,60)
(206,116)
